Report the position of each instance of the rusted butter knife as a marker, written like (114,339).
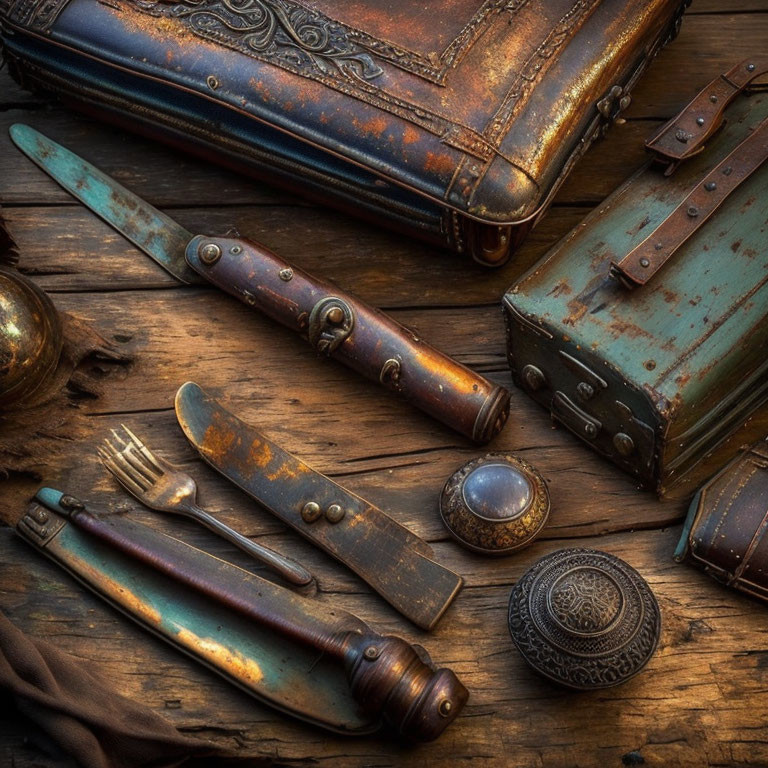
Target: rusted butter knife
(391,559)
(336,324)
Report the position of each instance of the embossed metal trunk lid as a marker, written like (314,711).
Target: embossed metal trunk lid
(458,119)
(656,377)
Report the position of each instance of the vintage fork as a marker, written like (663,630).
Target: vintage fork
(164,487)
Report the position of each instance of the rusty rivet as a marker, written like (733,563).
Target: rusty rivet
(209,253)
(533,377)
(710,186)
(750,67)
(371,653)
(335,315)
(236,249)
(623,443)
(286,274)
(727,171)
(649,365)
(658,246)
(310,512)
(693,211)
(590,430)
(444,707)
(682,136)
(585,391)
(213,82)
(713,98)
(645,263)
(699,121)
(334,513)
(43,532)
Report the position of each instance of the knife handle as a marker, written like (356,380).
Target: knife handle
(342,326)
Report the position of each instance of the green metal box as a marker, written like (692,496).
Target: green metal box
(654,378)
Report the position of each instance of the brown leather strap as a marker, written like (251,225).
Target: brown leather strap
(644,261)
(685,135)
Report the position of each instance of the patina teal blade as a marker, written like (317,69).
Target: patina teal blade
(147,228)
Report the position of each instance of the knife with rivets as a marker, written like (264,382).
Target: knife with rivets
(336,324)
(392,560)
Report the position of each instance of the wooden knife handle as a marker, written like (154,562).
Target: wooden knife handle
(341,326)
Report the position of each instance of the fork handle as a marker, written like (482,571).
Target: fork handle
(283,566)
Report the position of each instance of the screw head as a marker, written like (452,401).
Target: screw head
(286,274)
(750,67)
(444,707)
(334,513)
(335,315)
(585,391)
(623,443)
(713,98)
(693,211)
(235,249)
(590,430)
(645,263)
(209,253)
(710,186)
(533,377)
(310,512)
(699,121)
(371,653)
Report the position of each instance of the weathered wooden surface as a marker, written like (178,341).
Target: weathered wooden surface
(702,699)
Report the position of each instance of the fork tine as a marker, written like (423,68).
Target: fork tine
(124,479)
(134,460)
(133,468)
(144,451)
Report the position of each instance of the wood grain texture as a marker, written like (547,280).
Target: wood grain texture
(701,701)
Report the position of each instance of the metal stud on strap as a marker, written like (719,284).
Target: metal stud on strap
(644,261)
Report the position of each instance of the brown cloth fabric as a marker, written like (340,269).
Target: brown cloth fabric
(83,717)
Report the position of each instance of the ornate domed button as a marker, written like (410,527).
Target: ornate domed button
(495,504)
(584,619)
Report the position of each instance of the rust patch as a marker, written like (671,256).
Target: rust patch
(562,288)
(670,297)
(233,662)
(735,245)
(438,163)
(376,126)
(410,135)
(219,440)
(260,454)
(631,330)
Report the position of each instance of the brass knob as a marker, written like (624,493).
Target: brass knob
(30,337)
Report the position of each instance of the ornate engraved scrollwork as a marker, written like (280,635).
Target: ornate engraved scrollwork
(276,30)
(330,323)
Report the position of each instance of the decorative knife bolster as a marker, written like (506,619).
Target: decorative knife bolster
(725,531)
(685,134)
(322,665)
(391,559)
(343,327)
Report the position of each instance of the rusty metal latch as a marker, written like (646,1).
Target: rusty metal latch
(330,323)
(644,261)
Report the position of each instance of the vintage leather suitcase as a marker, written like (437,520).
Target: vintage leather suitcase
(454,121)
(725,531)
(645,330)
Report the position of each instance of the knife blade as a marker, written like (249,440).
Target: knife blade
(337,324)
(392,560)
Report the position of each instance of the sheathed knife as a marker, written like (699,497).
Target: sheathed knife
(336,324)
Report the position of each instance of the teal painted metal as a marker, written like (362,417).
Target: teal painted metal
(687,354)
(152,231)
(285,674)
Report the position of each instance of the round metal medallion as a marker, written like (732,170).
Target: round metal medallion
(495,504)
(584,619)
